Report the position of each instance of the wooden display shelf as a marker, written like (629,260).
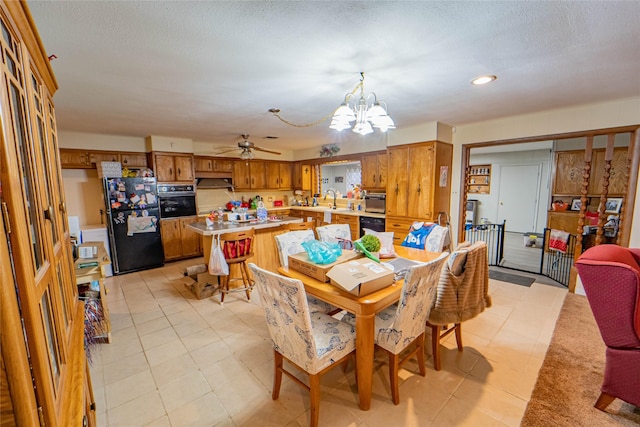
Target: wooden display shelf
(479,179)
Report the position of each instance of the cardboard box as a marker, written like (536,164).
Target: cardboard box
(361,277)
(301,262)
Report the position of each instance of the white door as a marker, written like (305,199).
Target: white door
(518,198)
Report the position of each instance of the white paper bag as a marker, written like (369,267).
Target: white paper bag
(217,264)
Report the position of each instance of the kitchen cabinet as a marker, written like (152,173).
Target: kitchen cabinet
(565,221)
(374,171)
(249,175)
(617,174)
(418,184)
(96,157)
(133,160)
(301,176)
(173,167)
(278,175)
(352,220)
(479,179)
(178,240)
(74,159)
(400,228)
(212,164)
(569,168)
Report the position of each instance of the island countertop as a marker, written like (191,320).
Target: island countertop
(226,226)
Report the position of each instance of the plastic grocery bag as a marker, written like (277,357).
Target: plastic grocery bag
(322,252)
(217,264)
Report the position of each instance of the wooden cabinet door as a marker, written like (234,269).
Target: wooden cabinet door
(258,175)
(370,171)
(617,174)
(569,170)
(96,157)
(241,177)
(399,227)
(184,168)
(353,221)
(74,159)
(222,165)
(301,176)
(189,238)
(133,160)
(420,177)
(171,238)
(203,164)
(165,168)
(397,181)
(382,170)
(272,175)
(286,176)
(565,221)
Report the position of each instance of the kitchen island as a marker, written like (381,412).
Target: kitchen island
(264,249)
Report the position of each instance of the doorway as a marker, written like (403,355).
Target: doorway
(518,197)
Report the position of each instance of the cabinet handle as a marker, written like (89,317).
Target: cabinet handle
(125,161)
(62,208)
(397,189)
(170,171)
(380,178)
(419,189)
(48,213)
(246,180)
(374,178)
(179,172)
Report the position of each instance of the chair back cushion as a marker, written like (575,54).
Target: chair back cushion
(611,278)
(291,243)
(334,233)
(416,298)
(463,288)
(428,236)
(237,244)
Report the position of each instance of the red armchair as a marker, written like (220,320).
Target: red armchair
(610,275)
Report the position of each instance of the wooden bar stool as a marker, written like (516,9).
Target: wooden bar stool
(296,226)
(237,248)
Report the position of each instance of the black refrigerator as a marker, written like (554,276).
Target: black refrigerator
(133,219)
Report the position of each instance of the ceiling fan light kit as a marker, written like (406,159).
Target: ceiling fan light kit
(248,148)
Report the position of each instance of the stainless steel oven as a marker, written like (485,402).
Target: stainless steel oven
(177,200)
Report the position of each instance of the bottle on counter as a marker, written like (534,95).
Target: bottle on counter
(220,215)
(261,212)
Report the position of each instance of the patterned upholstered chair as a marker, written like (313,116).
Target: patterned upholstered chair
(610,275)
(313,342)
(335,233)
(463,293)
(291,243)
(402,325)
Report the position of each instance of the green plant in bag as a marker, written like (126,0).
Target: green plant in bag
(371,242)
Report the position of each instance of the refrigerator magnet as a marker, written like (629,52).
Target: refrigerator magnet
(139,187)
(151,199)
(135,199)
(145,213)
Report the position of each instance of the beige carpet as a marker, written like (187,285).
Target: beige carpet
(570,378)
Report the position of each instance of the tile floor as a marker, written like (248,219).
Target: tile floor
(175,360)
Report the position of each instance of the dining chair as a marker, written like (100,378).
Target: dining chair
(462,294)
(237,248)
(312,342)
(402,325)
(295,226)
(290,243)
(336,233)
(610,275)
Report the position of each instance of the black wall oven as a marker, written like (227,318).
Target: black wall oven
(372,223)
(177,200)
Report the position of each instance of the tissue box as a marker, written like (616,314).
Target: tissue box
(109,169)
(301,262)
(361,277)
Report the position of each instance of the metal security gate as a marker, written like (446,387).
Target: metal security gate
(493,235)
(557,265)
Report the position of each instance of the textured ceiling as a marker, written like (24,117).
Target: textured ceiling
(209,71)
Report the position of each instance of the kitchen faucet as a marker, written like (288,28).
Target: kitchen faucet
(334,196)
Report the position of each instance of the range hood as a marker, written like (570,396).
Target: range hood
(214,183)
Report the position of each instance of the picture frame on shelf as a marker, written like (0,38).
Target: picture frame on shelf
(576,204)
(613,205)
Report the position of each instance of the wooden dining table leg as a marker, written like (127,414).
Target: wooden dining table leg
(364,357)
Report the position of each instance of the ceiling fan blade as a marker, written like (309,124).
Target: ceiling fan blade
(266,151)
(228,150)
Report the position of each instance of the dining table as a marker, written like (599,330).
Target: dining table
(365,308)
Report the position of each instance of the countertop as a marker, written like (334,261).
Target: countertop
(340,211)
(227,226)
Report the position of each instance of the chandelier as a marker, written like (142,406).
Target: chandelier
(367,112)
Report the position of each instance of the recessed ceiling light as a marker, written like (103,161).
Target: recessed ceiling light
(483,80)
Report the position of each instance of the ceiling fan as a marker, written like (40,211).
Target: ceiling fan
(247,148)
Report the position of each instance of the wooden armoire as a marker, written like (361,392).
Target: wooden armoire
(44,377)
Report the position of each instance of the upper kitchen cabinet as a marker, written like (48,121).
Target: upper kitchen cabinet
(74,159)
(208,167)
(374,171)
(568,173)
(173,167)
(133,160)
(96,157)
(278,175)
(418,185)
(617,174)
(301,176)
(249,174)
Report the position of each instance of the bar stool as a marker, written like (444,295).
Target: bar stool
(237,248)
(296,226)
